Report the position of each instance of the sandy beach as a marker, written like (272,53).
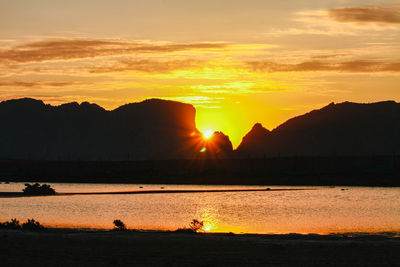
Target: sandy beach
(72,247)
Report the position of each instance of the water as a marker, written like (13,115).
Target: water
(320,210)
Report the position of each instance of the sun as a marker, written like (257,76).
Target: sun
(207,134)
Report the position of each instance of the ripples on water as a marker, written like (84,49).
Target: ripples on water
(323,210)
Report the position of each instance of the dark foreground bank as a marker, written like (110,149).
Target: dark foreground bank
(57,247)
(333,170)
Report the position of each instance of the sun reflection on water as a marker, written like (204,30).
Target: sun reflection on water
(213,224)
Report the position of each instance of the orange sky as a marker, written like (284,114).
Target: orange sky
(237,62)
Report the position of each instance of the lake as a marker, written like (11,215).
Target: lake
(321,210)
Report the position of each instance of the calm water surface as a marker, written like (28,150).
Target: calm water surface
(318,210)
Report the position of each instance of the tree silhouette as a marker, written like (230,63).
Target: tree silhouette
(119,225)
(196,225)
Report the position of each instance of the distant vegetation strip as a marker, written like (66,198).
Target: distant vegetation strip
(279,171)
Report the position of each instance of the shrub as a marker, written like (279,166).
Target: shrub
(196,225)
(32,225)
(119,225)
(13,224)
(37,189)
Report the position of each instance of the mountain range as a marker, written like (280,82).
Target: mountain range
(158,129)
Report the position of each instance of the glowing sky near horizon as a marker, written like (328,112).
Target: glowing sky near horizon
(237,62)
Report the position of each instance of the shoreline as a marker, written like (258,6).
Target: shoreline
(167,191)
(304,236)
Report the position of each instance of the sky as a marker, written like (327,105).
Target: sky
(237,62)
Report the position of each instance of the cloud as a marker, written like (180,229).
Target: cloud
(366,14)
(348,21)
(331,55)
(234,87)
(149,66)
(311,29)
(66,49)
(348,66)
(38,84)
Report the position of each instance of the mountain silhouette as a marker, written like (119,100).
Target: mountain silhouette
(152,129)
(158,129)
(218,146)
(346,129)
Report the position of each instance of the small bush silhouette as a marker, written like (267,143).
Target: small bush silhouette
(37,189)
(119,225)
(196,225)
(32,225)
(13,224)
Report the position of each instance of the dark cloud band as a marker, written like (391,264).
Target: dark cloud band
(367,14)
(65,49)
(348,66)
